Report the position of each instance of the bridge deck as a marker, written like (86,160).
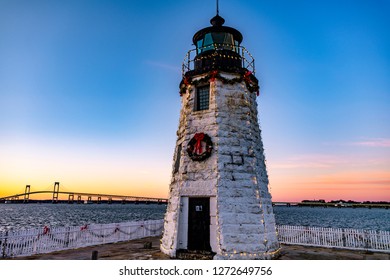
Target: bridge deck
(72,195)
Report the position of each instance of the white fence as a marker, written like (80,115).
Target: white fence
(358,239)
(38,241)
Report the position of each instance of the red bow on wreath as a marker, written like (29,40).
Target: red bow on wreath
(198,145)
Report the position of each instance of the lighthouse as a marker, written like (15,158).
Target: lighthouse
(219,204)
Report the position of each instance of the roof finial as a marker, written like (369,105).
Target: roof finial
(217,20)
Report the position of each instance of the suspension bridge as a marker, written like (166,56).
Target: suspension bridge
(77,197)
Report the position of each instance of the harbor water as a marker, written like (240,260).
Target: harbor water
(24,216)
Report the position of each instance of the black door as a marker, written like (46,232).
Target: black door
(199,224)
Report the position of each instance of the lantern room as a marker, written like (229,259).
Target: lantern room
(218,47)
(217,37)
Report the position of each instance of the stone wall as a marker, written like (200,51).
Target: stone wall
(245,217)
(193,178)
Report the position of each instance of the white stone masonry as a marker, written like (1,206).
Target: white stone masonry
(234,176)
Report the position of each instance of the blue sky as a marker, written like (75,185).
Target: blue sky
(89,92)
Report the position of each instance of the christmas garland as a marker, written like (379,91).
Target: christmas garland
(250,80)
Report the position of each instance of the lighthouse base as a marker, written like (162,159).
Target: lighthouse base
(205,255)
(248,256)
(194,255)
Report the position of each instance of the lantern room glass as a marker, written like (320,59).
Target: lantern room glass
(217,41)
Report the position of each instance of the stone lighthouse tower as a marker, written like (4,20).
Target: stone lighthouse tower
(219,204)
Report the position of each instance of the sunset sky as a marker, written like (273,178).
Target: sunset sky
(89,93)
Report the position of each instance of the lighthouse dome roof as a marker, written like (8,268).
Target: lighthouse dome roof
(218,33)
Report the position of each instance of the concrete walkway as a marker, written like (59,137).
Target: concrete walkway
(134,250)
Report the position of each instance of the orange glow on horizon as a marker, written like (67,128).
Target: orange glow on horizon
(138,173)
(358,186)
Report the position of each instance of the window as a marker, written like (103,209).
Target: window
(207,43)
(202,98)
(217,40)
(199,47)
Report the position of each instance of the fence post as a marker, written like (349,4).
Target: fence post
(366,241)
(343,237)
(67,233)
(4,245)
(94,255)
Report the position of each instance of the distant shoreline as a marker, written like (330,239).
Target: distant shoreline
(333,204)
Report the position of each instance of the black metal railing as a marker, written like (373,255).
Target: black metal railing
(225,51)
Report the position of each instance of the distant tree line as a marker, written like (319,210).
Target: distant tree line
(345,201)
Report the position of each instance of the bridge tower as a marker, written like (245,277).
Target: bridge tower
(26,194)
(219,200)
(56,192)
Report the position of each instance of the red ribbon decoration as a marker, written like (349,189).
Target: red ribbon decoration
(247,76)
(198,145)
(46,230)
(213,74)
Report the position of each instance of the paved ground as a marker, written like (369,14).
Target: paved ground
(134,250)
(297,252)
